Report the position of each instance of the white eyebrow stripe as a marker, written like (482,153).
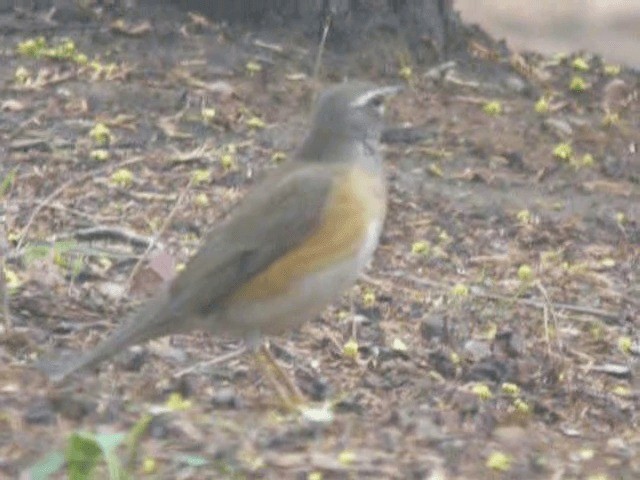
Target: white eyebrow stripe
(368,96)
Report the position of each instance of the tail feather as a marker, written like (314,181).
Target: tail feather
(153,320)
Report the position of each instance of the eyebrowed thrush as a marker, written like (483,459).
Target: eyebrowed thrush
(295,243)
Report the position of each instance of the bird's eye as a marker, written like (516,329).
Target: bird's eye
(376,101)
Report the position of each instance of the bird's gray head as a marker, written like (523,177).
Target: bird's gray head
(351,111)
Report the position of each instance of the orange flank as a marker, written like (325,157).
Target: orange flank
(351,207)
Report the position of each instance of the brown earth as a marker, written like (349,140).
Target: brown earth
(548,26)
(460,360)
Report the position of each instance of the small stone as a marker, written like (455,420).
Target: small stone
(559,127)
(477,349)
(617,446)
(426,430)
(614,167)
(111,290)
(40,412)
(133,359)
(438,72)
(433,326)
(615,370)
(73,405)
(515,84)
(226,398)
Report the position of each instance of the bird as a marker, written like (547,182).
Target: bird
(292,245)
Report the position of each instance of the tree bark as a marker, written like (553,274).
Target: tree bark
(376,31)
(430,29)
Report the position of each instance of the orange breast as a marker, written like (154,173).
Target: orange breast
(356,200)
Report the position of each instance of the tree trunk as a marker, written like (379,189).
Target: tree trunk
(430,29)
(375,31)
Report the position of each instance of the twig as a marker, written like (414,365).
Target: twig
(323,41)
(4,292)
(274,47)
(66,185)
(548,310)
(596,312)
(214,361)
(110,233)
(155,238)
(84,250)
(79,213)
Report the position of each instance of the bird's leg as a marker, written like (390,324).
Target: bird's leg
(284,386)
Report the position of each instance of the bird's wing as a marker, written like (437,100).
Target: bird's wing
(277,216)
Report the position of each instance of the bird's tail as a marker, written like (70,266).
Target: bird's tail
(153,320)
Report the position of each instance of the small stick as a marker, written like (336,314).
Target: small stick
(225,357)
(323,41)
(162,229)
(596,312)
(63,187)
(548,310)
(102,232)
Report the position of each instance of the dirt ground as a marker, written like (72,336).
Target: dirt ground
(602,26)
(497,329)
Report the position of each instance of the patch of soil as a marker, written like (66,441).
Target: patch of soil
(500,316)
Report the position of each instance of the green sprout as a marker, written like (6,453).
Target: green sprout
(577,84)
(278,157)
(228,161)
(482,391)
(459,290)
(625,344)
(101,134)
(346,457)
(525,273)
(11,279)
(368,299)
(176,402)
(149,466)
(65,50)
(421,247)
(208,114)
(493,108)
(33,47)
(587,160)
(611,119)
(7,182)
(253,67)
(122,177)
(201,200)
(541,106)
(521,406)
(256,123)
(563,151)
(511,389)
(405,73)
(435,170)
(350,349)
(99,154)
(201,176)
(81,59)
(580,64)
(22,75)
(524,217)
(499,461)
(611,70)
